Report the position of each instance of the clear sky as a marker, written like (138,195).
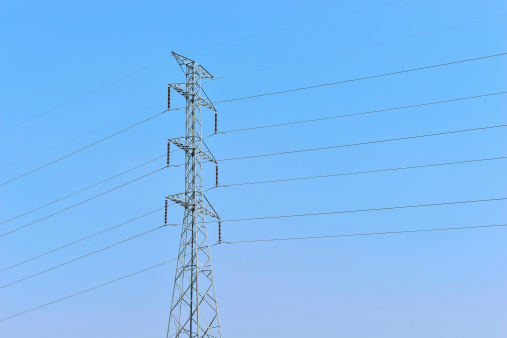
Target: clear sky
(438,284)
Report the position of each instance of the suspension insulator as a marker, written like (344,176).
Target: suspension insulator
(168,98)
(165,217)
(216,123)
(216,177)
(168,152)
(219,232)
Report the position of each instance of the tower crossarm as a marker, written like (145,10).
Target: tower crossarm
(180,88)
(205,209)
(205,154)
(198,100)
(179,199)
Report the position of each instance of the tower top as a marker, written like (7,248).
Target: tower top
(191,64)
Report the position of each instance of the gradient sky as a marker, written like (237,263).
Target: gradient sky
(434,285)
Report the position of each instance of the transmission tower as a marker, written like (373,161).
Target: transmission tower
(194,310)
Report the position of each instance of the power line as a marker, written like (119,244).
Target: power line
(81,257)
(365,78)
(84,95)
(260,127)
(361,113)
(357,48)
(259,69)
(300,178)
(84,189)
(86,147)
(362,172)
(365,234)
(91,186)
(74,205)
(108,84)
(304,178)
(255,96)
(364,143)
(80,135)
(81,240)
(236,220)
(353,49)
(292,27)
(360,210)
(362,47)
(90,289)
(265,155)
(391,169)
(252,241)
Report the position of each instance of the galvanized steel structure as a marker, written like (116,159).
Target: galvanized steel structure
(193,310)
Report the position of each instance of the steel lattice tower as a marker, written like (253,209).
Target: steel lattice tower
(194,310)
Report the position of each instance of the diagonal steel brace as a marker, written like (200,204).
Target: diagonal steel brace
(202,101)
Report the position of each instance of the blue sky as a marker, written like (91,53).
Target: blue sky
(435,284)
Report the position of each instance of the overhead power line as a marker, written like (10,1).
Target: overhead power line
(380,43)
(252,241)
(362,172)
(267,126)
(80,135)
(361,210)
(275,154)
(364,78)
(274,217)
(108,84)
(81,190)
(272,93)
(364,143)
(365,234)
(312,58)
(360,113)
(262,182)
(255,96)
(265,155)
(198,49)
(305,178)
(91,186)
(81,239)
(293,27)
(81,257)
(83,95)
(75,205)
(86,147)
(90,289)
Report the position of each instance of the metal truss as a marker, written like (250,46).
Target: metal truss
(181,143)
(205,209)
(185,63)
(202,101)
(193,312)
